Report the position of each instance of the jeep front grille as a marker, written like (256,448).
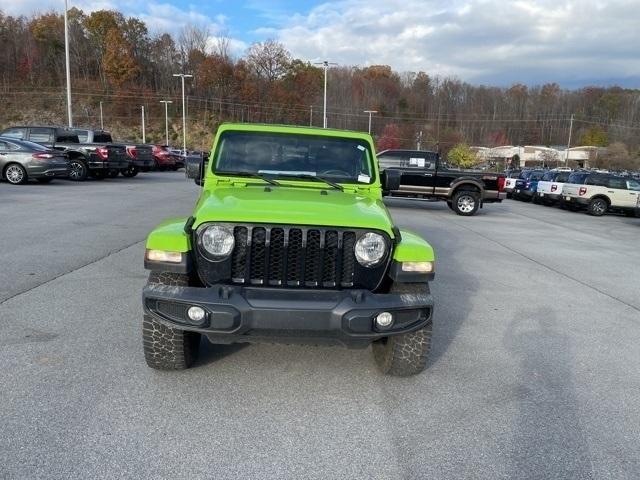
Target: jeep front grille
(293,256)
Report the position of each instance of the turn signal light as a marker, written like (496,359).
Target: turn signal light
(164,256)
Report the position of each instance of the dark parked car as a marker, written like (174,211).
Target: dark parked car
(425,175)
(527,185)
(166,159)
(95,159)
(21,160)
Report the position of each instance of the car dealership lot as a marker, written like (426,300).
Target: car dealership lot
(534,368)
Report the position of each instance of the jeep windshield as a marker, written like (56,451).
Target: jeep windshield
(294,156)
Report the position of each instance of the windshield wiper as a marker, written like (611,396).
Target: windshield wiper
(304,176)
(248,174)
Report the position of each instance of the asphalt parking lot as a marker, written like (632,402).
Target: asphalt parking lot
(534,371)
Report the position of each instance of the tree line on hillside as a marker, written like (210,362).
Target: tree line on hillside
(116,58)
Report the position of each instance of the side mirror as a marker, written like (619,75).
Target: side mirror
(194,168)
(390,179)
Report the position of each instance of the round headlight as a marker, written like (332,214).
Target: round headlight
(370,249)
(217,241)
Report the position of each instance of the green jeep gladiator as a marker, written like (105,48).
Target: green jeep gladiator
(289,242)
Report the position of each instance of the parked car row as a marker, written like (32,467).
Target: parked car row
(593,191)
(46,152)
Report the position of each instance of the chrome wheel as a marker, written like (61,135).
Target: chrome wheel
(466,203)
(77,171)
(598,207)
(15,174)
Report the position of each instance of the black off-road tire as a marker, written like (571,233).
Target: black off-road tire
(406,354)
(167,348)
(466,202)
(597,207)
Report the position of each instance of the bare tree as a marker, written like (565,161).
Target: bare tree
(269,59)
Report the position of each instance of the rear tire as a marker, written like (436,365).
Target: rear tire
(597,207)
(16,174)
(466,202)
(79,170)
(405,354)
(129,172)
(167,348)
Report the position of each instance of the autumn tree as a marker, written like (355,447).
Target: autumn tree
(118,62)
(390,137)
(595,136)
(462,156)
(269,60)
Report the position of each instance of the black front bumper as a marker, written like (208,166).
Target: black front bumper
(251,315)
(108,165)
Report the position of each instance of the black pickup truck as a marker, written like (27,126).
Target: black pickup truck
(424,175)
(140,156)
(94,159)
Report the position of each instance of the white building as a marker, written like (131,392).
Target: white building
(537,155)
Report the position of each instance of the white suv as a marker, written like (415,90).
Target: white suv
(602,192)
(549,189)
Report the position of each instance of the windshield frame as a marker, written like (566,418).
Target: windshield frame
(369,152)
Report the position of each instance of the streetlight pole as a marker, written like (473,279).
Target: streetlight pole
(184,116)
(101,119)
(68,68)
(144,134)
(325,65)
(566,160)
(370,112)
(311,117)
(166,118)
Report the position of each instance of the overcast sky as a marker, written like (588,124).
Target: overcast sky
(496,42)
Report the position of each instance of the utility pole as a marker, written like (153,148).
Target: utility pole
(311,117)
(101,119)
(370,112)
(166,119)
(144,135)
(419,141)
(184,113)
(566,160)
(325,65)
(68,68)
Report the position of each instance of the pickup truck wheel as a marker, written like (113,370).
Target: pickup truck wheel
(597,207)
(406,354)
(466,203)
(79,170)
(129,172)
(15,174)
(167,348)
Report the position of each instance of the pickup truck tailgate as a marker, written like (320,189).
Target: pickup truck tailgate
(573,189)
(117,153)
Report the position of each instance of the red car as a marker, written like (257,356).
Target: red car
(164,159)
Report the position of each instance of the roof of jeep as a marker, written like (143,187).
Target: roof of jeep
(263,127)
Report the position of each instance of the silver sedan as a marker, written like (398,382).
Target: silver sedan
(21,160)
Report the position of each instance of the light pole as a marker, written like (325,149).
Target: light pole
(325,65)
(68,68)
(370,112)
(101,120)
(311,117)
(166,118)
(184,116)
(144,135)
(566,160)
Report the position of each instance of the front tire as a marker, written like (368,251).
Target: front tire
(466,203)
(167,348)
(405,354)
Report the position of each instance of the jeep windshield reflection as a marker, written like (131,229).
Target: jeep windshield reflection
(276,156)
